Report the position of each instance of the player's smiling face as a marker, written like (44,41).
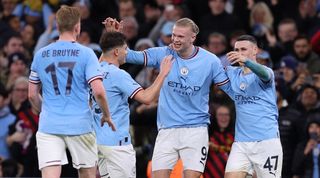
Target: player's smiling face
(182,38)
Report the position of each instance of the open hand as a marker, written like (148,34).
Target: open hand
(109,121)
(166,65)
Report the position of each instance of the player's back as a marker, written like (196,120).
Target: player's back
(65,69)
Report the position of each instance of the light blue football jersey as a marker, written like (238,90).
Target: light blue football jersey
(119,86)
(256,107)
(184,95)
(65,69)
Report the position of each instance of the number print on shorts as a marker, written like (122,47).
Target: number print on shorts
(204,155)
(52,70)
(271,164)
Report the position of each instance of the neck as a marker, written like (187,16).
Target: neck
(246,70)
(188,52)
(67,36)
(109,59)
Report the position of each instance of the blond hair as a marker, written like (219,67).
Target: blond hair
(186,22)
(262,7)
(67,18)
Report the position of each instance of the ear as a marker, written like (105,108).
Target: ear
(78,28)
(193,38)
(116,52)
(255,51)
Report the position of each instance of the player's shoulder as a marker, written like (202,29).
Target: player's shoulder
(207,55)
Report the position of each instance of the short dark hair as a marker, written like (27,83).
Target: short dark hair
(247,38)
(111,40)
(301,37)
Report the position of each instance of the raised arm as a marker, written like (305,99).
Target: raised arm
(261,71)
(151,93)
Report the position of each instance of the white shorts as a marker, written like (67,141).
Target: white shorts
(117,161)
(189,144)
(263,157)
(52,150)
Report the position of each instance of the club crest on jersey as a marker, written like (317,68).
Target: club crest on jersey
(243,86)
(184,71)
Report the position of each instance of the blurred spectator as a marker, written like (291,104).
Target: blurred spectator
(199,9)
(306,162)
(130,30)
(19,95)
(85,39)
(6,119)
(308,103)
(292,122)
(286,77)
(129,8)
(86,21)
(144,43)
(165,34)
(287,32)
(28,38)
(217,44)
(152,13)
(261,19)
(307,17)
(218,20)
(7,7)
(263,57)
(261,23)
(170,13)
(221,137)
(304,54)
(13,43)
(17,67)
(30,12)
(21,139)
(13,22)
(49,35)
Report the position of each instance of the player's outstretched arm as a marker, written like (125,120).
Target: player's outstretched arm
(100,96)
(151,93)
(259,70)
(34,96)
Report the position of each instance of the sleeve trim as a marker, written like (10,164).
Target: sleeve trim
(135,92)
(223,82)
(94,78)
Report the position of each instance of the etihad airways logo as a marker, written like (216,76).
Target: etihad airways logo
(240,99)
(184,89)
